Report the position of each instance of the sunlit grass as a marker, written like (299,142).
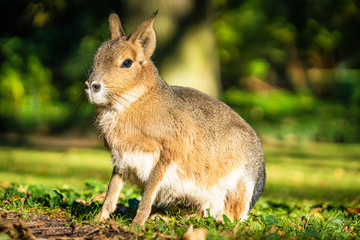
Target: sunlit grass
(312,192)
(314,171)
(53,168)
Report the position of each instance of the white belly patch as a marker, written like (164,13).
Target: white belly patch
(173,188)
(140,162)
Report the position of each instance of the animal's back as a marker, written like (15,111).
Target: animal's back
(218,123)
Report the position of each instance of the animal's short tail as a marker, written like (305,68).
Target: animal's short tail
(259,186)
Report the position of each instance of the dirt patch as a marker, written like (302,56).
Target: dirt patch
(35,226)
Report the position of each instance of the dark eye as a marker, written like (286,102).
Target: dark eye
(127,63)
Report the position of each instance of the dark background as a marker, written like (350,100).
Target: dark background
(290,68)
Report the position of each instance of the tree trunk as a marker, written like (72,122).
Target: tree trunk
(186,48)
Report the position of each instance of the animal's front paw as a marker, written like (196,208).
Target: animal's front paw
(102,216)
(140,218)
(139,221)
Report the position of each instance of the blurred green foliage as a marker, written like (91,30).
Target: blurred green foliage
(291,68)
(28,97)
(288,67)
(296,117)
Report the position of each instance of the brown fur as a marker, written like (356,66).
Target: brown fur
(142,119)
(236,202)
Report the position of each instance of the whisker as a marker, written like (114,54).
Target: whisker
(81,98)
(89,70)
(79,101)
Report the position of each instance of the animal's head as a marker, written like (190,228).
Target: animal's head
(120,63)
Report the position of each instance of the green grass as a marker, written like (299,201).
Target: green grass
(53,168)
(317,171)
(312,192)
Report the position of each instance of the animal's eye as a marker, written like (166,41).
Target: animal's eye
(127,63)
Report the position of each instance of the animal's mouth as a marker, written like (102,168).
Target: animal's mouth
(88,92)
(90,99)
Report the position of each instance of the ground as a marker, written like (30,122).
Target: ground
(51,190)
(43,226)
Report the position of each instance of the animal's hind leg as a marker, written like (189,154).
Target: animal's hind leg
(215,207)
(237,202)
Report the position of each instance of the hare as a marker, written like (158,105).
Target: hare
(178,144)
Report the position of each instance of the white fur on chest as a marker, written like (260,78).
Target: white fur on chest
(127,98)
(109,117)
(107,120)
(141,163)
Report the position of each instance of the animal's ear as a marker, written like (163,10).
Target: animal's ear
(115,27)
(145,35)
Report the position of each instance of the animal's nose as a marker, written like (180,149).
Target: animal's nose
(95,87)
(86,85)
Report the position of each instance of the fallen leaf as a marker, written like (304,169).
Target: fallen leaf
(353,210)
(99,197)
(347,229)
(291,223)
(15,198)
(281,233)
(202,213)
(197,234)
(357,210)
(273,228)
(318,209)
(81,201)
